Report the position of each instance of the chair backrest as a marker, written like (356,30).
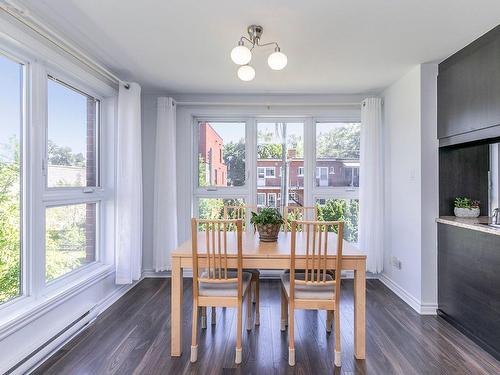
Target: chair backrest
(299,213)
(236,212)
(317,249)
(216,251)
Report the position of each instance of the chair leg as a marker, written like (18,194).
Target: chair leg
(329,320)
(214,315)
(194,327)
(203,317)
(338,356)
(238,334)
(284,312)
(249,310)
(253,289)
(257,302)
(291,337)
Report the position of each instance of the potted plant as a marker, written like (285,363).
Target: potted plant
(268,222)
(466,207)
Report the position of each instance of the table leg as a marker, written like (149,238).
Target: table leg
(177,296)
(360,311)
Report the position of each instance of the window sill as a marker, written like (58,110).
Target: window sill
(25,310)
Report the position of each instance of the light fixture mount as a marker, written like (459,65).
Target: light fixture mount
(241,54)
(255,32)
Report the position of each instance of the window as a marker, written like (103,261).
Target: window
(270,172)
(337,147)
(261,199)
(300,171)
(227,141)
(347,210)
(271,199)
(280,146)
(70,239)
(71,229)
(72,132)
(337,174)
(261,172)
(12,111)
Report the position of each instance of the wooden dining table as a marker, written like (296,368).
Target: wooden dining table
(269,256)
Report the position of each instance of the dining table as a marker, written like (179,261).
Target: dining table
(261,255)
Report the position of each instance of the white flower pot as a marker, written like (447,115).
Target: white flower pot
(467,212)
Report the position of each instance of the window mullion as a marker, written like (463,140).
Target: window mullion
(36,252)
(309,161)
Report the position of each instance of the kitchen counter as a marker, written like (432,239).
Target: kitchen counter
(477,223)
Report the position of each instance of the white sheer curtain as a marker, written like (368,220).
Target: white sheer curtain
(165,192)
(371,185)
(129,186)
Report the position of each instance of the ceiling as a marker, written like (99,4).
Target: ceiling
(333,46)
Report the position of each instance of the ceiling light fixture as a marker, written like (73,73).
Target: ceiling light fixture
(241,54)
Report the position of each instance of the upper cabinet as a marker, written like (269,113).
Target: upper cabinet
(469,88)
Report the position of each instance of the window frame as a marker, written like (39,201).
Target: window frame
(265,199)
(24,178)
(249,192)
(86,267)
(71,84)
(269,195)
(210,190)
(70,195)
(38,63)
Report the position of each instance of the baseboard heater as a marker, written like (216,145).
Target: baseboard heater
(36,357)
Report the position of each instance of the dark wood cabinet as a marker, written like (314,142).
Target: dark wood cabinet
(469,88)
(469,283)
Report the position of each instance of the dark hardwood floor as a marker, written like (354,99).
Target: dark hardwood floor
(133,337)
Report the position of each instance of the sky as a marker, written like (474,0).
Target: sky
(67,122)
(10,103)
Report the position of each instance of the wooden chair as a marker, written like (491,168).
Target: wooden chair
(299,213)
(239,212)
(315,289)
(216,285)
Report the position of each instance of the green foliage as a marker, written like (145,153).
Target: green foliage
(10,238)
(234,158)
(342,210)
(464,202)
(65,243)
(267,215)
(59,155)
(342,142)
(202,171)
(269,151)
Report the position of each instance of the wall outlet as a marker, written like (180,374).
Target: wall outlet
(396,263)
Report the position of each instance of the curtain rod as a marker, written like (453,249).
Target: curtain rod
(16,12)
(265,104)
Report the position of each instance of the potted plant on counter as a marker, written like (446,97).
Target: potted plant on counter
(268,222)
(466,207)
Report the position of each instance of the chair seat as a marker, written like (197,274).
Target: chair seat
(253,271)
(224,289)
(302,291)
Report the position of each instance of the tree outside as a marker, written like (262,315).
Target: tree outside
(66,231)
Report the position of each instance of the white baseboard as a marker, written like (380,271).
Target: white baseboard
(414,303)
(153,274)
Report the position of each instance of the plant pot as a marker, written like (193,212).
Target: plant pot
(467,212)
(268,232)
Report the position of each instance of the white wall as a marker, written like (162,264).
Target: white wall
(411,187)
